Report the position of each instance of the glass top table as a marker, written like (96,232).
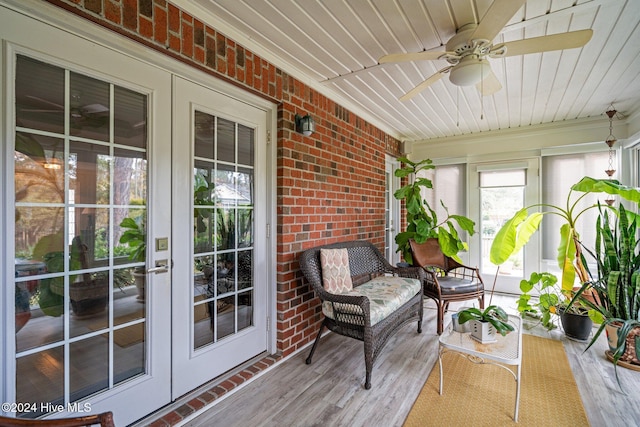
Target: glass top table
(506,350)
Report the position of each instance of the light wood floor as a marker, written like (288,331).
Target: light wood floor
(330,391)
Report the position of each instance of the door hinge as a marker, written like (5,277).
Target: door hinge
(268,231)
(268,137)
(268,323)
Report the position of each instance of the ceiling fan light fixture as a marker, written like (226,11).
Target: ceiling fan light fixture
(469,71)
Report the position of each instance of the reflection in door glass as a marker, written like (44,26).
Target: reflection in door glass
(501,196)
(223,229)
(81,315)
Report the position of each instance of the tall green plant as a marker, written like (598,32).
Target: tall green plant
(616,288)
(422,221)
(517,231)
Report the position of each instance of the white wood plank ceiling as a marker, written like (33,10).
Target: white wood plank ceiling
(334,45)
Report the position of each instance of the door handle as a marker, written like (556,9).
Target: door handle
(162,266)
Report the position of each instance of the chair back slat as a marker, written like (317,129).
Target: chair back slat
(428,254)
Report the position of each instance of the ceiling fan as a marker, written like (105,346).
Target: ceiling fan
(90,114)
(468,50)
(82,116)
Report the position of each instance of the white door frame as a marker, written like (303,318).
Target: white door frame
(391,164)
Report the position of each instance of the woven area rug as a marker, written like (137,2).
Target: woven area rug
(484,395)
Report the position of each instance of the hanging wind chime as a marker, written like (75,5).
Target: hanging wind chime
(610,141)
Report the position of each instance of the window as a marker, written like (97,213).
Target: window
(449,185)
(501,196)
(559,173)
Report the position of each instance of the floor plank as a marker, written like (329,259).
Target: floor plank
(330,391)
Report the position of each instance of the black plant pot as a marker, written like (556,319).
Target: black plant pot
(576,326)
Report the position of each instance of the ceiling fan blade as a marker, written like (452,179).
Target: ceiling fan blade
(560,41)
(94,109)
(425,84)
(489,85)
(46,102)
(496,18)
(36,110)
(406,57)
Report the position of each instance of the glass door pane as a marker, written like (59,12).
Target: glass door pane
(81,185)
(499,202)
(223,229)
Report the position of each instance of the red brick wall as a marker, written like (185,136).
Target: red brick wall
(330,185)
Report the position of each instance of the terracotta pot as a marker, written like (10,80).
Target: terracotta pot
(21,319)
(589,295)
(629,355)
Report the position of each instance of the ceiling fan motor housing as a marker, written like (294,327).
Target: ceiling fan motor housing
(470,65)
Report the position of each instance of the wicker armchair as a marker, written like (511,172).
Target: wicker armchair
(446,279)
(351,313)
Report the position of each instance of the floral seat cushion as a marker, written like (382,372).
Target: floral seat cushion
(386,294)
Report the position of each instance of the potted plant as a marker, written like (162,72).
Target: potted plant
(517,231)
(616,289)
(135,237)
(88,292)
(553,302)
(486,323)
(422,221)
(545,285)
(22,307)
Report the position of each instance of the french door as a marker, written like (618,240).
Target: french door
(500,190)
(220,274)
(85,151)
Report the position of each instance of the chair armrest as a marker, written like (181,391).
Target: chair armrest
(431,278)
(350,309)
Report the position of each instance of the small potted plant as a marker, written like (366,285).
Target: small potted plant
(543,284)
(486,323)
(135,237)
(552,302)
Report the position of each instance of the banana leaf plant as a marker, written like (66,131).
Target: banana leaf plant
(517,231)
(422,221)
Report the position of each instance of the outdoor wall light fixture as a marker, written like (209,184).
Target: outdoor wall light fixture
(305,125)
